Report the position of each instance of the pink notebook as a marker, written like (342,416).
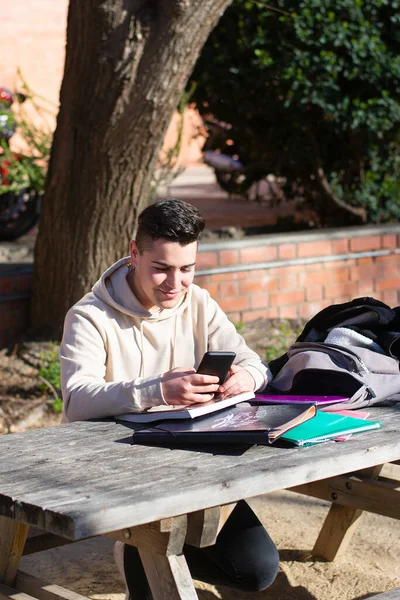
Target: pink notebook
(291,399)
(360,414)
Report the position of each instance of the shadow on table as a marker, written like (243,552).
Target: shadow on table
(279,590)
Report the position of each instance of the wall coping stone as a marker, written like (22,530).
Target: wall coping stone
(311,235)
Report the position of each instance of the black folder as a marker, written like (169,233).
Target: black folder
(243,423)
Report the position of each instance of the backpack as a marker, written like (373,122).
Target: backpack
(348,350)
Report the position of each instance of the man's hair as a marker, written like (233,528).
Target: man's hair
(170,219)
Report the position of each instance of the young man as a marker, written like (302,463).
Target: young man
(135,341)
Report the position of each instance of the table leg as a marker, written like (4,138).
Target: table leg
(339,525)
(12,541)
(160,546)
(169,576)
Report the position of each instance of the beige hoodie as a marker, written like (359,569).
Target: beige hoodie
(114,351)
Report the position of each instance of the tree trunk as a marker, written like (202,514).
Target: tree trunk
(127,62)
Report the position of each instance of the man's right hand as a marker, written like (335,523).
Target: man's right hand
(185,386)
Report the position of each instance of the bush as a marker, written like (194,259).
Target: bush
(310,92)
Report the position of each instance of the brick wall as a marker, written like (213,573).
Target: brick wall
(296,275)
(276,276)
(15,292)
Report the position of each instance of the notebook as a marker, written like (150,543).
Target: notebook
(243,423)
(163,412)
(294,399)
(327,426)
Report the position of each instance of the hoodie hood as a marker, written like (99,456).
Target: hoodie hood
(113,289)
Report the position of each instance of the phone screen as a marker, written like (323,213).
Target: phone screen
(216,363)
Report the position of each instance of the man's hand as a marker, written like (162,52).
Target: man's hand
(185,386)
(239,381)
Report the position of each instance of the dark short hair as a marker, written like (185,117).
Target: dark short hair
(170,219)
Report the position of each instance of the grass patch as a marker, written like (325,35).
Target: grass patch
(49,374)
(283,335)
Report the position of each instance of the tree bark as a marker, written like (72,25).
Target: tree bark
(127,62)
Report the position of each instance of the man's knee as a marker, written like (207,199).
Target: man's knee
(261,574)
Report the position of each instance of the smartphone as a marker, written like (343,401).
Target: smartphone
(216,363)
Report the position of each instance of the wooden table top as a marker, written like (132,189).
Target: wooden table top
(85,479)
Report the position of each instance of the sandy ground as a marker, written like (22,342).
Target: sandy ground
(370,565)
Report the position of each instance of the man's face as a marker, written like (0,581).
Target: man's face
(163,273)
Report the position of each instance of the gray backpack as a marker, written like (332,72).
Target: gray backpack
(363,373)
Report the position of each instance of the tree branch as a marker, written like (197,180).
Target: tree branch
(323,183)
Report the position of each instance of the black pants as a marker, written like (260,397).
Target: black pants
(244,557)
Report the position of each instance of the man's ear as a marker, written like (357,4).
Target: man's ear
(134,252)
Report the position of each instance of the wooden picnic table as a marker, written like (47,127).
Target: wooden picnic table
(85,479)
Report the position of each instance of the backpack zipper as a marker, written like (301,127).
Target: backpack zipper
(357,362)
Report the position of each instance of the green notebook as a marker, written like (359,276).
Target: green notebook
(327,426)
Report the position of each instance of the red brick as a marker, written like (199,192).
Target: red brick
(202,280)
(234,304)
(366,260)
(389,258)
(288,312)
(309,309)
(268,313)
(390,298)
(206,260)
(370,242)
(288,282)
(278,271)
(286,298)
(249,286)
(212,288)
(322,276)
(6,285)
(333,291)
(231,276)
(229,257)
(367,272)
(366,288)
(387,284)
(230,288)
(332,265)
(389,241)
(314,292)
(340,246)
(259,300)
(257,254)
(390,268)
(23,283)
(341,275)
(287,251)
(321,248)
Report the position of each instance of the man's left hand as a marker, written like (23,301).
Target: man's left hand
(238,382)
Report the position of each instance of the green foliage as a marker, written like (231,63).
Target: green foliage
(284,336)
(18,170)
(49,373)
(311,90)
(239,326)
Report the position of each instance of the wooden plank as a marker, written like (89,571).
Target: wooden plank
(336,532)
(151,538)
(340,523)
(43,541)
(205,525)
(12,540)
(113,485)
(168,576)
(33,586)
(381,496)
(9,593)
